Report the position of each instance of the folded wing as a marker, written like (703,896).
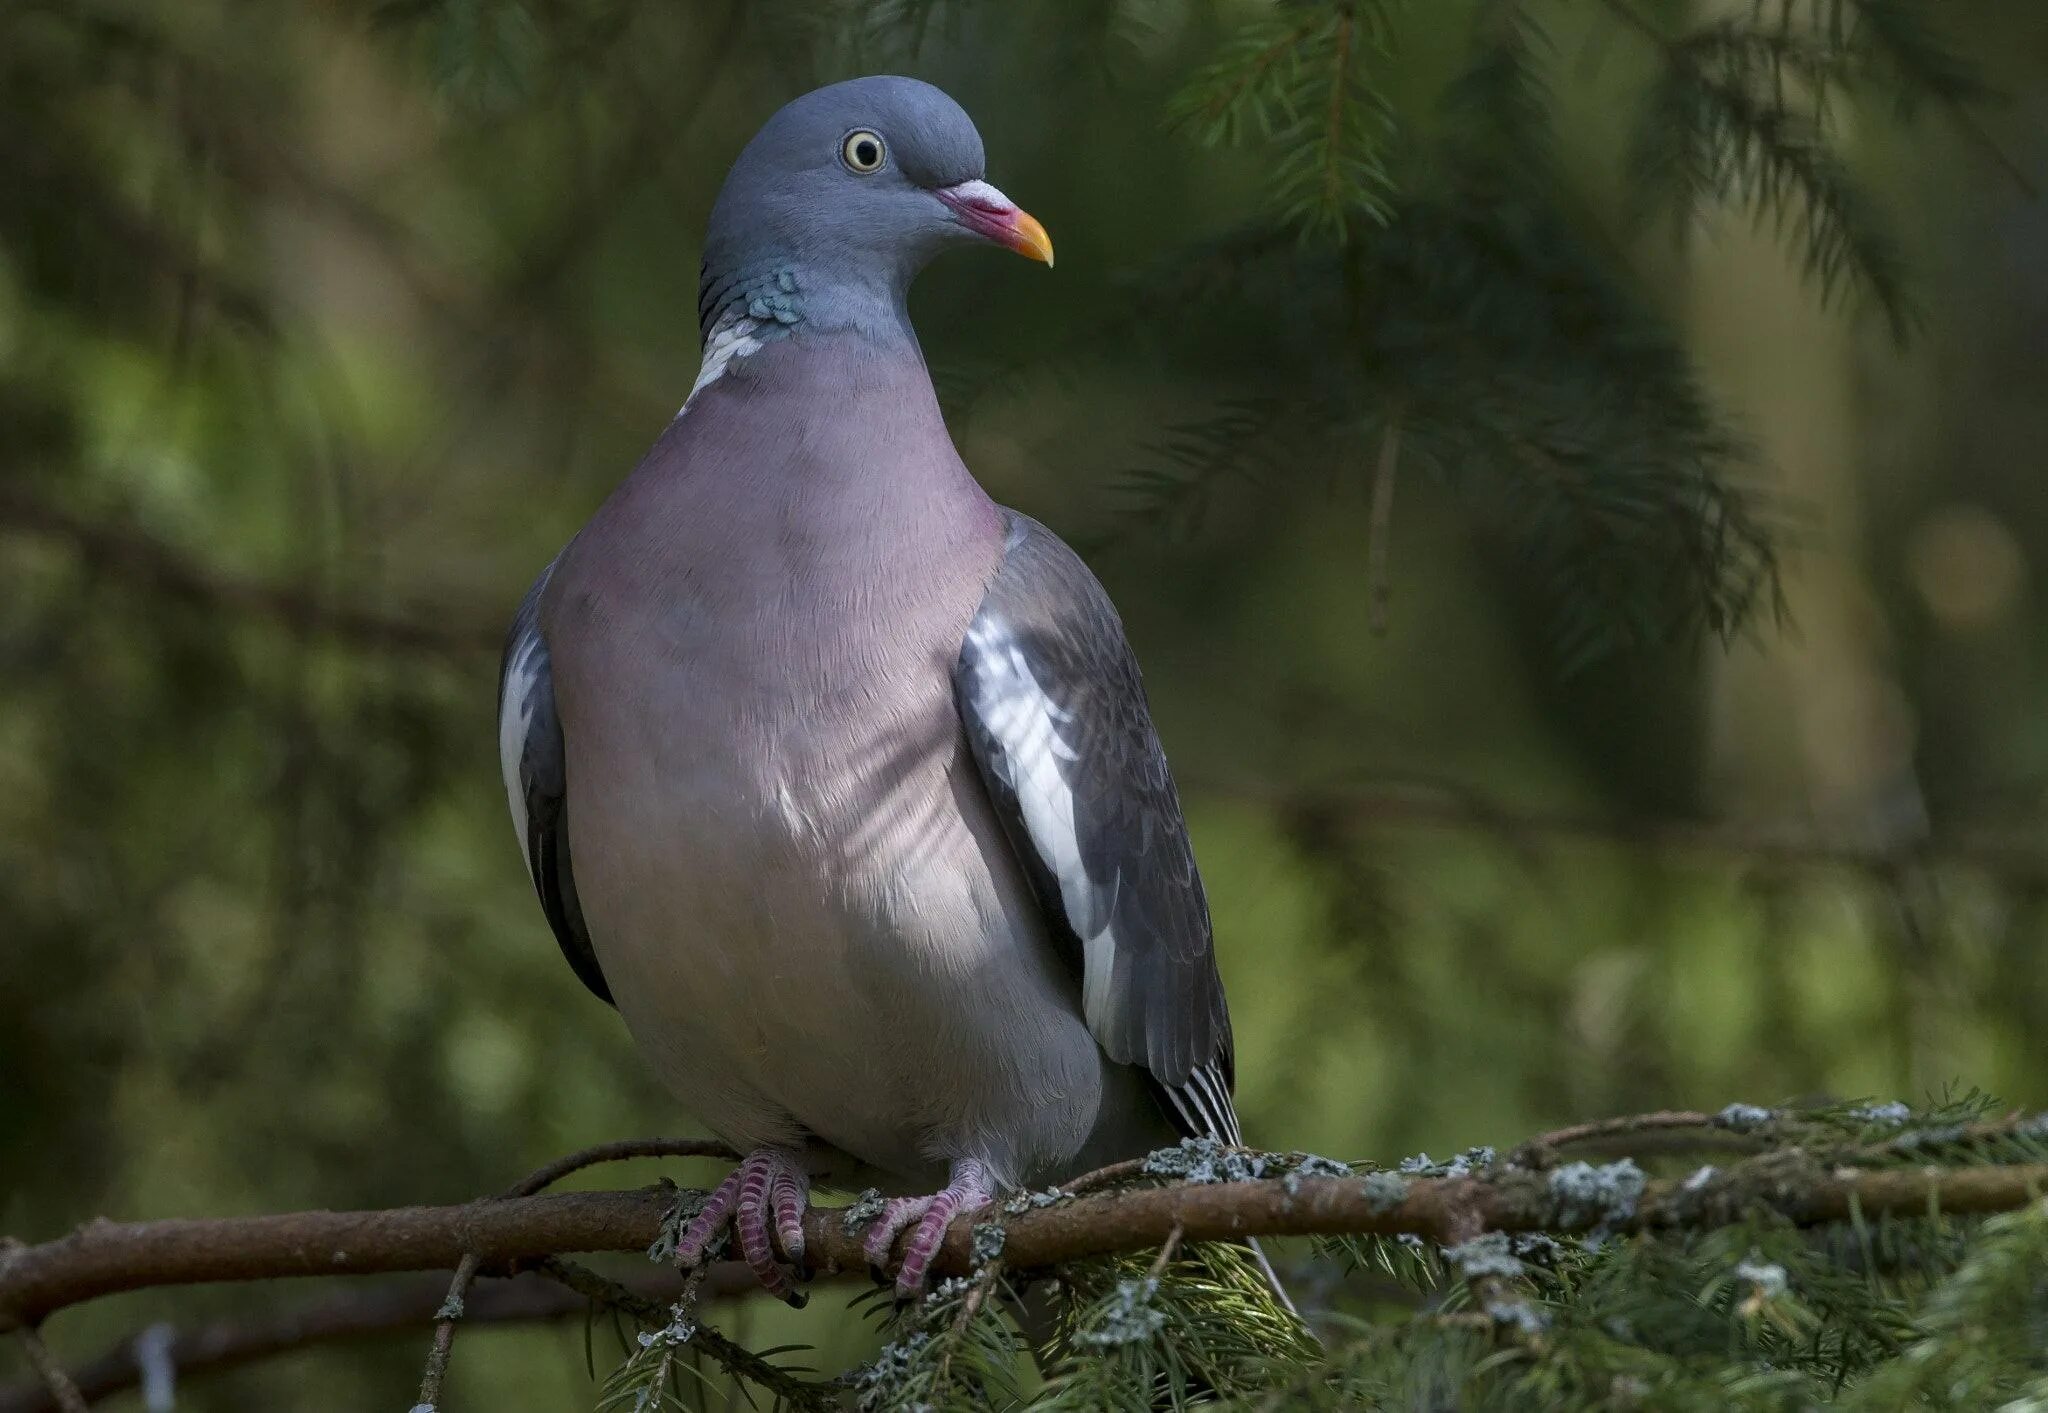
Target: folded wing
(536,783)
(1056,718)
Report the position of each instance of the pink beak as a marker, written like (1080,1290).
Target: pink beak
(993,216)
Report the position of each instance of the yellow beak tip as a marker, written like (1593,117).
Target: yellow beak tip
(1030,239)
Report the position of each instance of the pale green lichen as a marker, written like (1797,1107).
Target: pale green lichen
(674,1222)
(891,1364)
(1313,1165)
(1940,1135)
(676,1333)
(988,1242)
(1600,1198)
(1031,1201)
(1467,1163)
(1129,1317)
(1384,1192)
(1488,1254)
(1767,1280)
(862,1210)
(1519,1314)
(1204,1160)
(1744,1118)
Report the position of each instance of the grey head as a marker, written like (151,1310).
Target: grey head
(842,197)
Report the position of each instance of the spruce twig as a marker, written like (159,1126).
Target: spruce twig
(1379,547)
(52,1374)
(443,1345)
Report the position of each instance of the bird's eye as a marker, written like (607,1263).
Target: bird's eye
(862,151)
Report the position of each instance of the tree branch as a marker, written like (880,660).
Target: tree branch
(398,1307)
(136,555)
(104,1257)
(1664,1130)
(618,1151)
(454,1307)
(2017,854)
(64,1394)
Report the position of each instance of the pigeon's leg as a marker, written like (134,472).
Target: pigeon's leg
(771,1186)
(971,1185)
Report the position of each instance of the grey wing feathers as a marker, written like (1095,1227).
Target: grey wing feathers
(1056,718)
(531,751)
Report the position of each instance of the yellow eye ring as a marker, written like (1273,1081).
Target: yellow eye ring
(862,151)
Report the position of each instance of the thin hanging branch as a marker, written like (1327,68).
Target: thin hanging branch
(352,1316)
(736,1358)
(452,1308)
(1378,585)
(443,1346)
(618,1151)
(64,1392)
(2013,854)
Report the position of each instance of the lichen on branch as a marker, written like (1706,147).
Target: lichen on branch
(1807,1223)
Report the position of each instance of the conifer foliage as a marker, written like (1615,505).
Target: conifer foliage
(1468,318)
(1701,1277)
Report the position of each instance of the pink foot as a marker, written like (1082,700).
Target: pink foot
(770,1183)
(927,1218)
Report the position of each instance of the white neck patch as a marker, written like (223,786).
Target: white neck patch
(731,338)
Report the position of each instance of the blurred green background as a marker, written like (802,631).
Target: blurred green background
(323,324)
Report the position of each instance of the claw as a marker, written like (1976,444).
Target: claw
(926,1218)
(768,1178)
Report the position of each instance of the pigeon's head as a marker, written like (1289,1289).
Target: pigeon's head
(859,184)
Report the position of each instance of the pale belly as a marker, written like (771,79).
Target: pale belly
(819,939)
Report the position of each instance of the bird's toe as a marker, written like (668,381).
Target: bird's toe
(923,1245)
(787,1197)
(972,1186)
(897,1215)
(764,1194)
(710,1222)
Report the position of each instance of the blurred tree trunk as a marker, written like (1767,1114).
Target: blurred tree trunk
(1812,721)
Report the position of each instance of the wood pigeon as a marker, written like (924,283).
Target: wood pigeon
(837,778)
